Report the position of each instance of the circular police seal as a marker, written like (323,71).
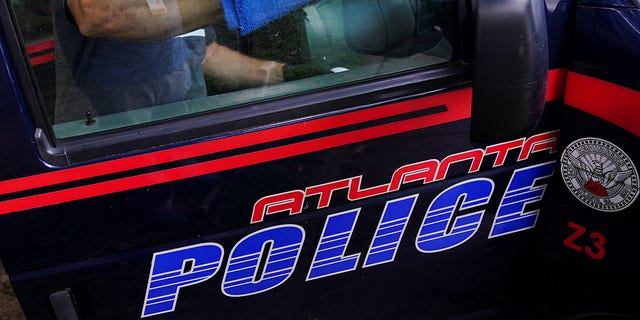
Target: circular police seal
(599,174)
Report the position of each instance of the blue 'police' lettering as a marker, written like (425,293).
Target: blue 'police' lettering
(175,269)
(390,230)
(329,258)
(279,245)
(511,217)
(266,258)
(433,235)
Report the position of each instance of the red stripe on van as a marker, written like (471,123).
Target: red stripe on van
(45,58)
(557,79)
(40,46)
(611,102)
(457,102)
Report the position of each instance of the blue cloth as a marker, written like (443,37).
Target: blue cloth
(249,15)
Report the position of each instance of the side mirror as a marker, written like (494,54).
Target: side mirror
(510,66)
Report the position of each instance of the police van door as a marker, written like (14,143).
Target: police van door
(345,160)
(590,237)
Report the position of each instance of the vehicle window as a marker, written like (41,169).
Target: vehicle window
(94,79)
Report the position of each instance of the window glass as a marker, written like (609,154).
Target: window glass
(126,62)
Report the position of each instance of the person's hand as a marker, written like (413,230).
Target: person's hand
(300,71)
(232,70)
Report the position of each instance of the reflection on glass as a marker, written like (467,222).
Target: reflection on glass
(107,81)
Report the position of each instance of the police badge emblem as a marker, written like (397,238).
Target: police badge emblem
(599,174)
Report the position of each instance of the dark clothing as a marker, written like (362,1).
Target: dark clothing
(105,76)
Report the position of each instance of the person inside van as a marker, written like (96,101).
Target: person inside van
(160,19)
(115,56)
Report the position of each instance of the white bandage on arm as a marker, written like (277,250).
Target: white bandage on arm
(157,7)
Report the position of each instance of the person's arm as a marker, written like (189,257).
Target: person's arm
(134,20)
(234,70)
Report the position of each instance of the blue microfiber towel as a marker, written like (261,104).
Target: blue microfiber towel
(249,15)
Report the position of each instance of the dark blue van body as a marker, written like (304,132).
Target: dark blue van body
(364,201)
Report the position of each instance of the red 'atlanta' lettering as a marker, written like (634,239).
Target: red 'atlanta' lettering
(428,171)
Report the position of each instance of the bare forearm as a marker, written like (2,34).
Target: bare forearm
(134,20)
(235,70)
